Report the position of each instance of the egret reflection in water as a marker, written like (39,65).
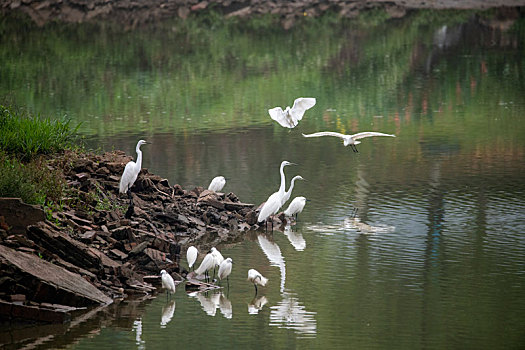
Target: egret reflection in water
(257,305)
(214,302)
(137,327)
(167,313)
(273,253)
(290,314)
(295,238)
(225,305)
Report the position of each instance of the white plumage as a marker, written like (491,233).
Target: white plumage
(274,202)
(132,170)
(191,255)
(349,139)
(289,118)
(207,264)
(296,206)
(256,278)
(217,184)
(225,269)
(288,193)
(217,256)
(167,282)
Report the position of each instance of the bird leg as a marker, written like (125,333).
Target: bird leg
(255,288)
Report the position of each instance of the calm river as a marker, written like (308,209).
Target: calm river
(415,242)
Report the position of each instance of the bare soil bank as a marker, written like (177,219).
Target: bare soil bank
(132,13)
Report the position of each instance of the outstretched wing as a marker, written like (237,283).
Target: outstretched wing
(325,133)
(300,106)
(362,135)
(280,117)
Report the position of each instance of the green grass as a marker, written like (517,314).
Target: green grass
(26,136)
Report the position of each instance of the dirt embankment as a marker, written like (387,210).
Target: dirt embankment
(132,13)
(95,248)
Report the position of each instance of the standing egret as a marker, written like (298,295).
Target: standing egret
(191,256)
(131,171)
(289,118)
(256,278)
(217,257)
(274,202)
(288,193)
(225,269)
(217,184)
(167,282)
(349,139)
(207,264)
(295,207)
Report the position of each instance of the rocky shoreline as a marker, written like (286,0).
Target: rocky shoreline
(89,253)
(132,13)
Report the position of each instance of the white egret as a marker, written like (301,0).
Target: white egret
(295,207)
(225,269)
(207,264)
(217,258)
(217,184)
(191,256)
(289,118)
(256,278)
(274,202)
(167,282)
(288,193)
(349,139)
(131,171)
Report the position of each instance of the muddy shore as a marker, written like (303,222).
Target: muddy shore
(132,13)
(96,248)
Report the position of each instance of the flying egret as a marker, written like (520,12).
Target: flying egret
(191,256)
(288,193)
(131,171)
(274,202)
(256,278)
(217,184)
(225,269)
(207,264)
(167,282)
(349,139)
(295,207)
(289,118)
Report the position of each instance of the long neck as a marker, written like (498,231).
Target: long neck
(291,187)
(139,157)
(283,180)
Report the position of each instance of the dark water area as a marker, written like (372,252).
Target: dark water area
(416,241)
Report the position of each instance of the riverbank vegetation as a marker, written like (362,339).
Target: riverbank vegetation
(25,140)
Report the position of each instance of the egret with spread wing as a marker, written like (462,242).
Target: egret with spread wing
(349,139)
(289,118)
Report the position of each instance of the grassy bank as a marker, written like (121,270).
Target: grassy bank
(25,141)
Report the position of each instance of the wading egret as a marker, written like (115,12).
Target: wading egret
(349,139)
(191,256)
(225,269)
(207,264)
(217,258)
(131,171)
(273,203)
(256,278)
(167,282)
(295,207)
(217,184)
(291,116)
(288,193)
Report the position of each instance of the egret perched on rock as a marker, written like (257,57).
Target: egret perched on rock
(289,118)
(217,184)
(167,282)
(225,269)
(295,207)
(288,193)
(274,202)
(191,256)
(131,171)
(207,264)
(349,139)
(256,278)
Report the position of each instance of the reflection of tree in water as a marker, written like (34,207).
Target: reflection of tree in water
(290,314)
